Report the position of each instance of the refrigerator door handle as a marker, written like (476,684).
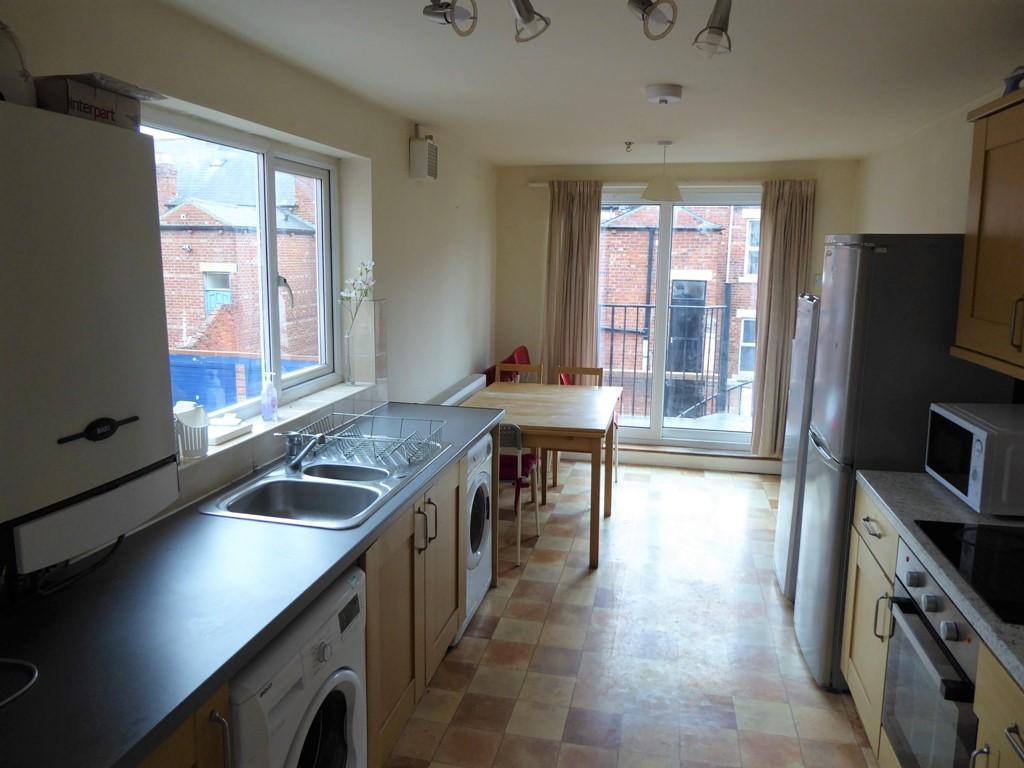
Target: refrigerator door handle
(825,456)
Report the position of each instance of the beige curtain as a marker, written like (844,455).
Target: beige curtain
(787,220)
(574,233)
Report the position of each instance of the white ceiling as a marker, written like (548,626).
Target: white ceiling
(806,79)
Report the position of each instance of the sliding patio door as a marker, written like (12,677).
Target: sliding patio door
(677,314)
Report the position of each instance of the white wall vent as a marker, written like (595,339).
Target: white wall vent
(423,156)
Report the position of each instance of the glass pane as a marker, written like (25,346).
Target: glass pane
(300,230)
(208,195)
(710,350)
(628,276)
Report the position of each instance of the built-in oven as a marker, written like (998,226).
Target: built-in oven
(927,710)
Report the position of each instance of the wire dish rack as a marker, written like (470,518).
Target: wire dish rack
(389,441)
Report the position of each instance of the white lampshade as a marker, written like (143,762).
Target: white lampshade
(662,189)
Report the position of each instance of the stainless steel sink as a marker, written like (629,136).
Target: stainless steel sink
(301,502)
(357,473)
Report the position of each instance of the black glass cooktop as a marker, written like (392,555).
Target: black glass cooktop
(989,557)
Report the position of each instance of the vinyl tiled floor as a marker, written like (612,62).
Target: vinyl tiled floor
(678,651)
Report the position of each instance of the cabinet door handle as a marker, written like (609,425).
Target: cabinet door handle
(429,537)
(426,533)
(1013,326)
(225,734)
(874,625)
(1013,736)
(871,528)
(977,753)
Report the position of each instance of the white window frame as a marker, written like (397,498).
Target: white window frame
(746,344)
(724,194)
(273,156)
(748,249)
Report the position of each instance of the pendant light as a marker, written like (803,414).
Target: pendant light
(461,15)
(529,24)
(658,16)
(663,188)
(714,38)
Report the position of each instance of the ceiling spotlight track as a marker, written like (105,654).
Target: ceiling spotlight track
(461,15)
(714,38)
(529,24)
(658,16)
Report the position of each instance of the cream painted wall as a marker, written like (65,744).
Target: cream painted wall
(920,185)
(433,242)
(523,216)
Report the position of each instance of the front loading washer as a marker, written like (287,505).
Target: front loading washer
(302,702)
(479,558)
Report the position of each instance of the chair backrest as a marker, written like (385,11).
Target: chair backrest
(519,355)
(520,373)
(567,374)
(510,436)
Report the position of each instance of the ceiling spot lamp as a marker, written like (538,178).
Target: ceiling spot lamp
(460,15)
(529,24)
(658,16)
(714,38)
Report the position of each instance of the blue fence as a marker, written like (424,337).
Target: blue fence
(210,380)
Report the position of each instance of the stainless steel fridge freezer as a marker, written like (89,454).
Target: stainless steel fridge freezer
(794,451)
(888,318)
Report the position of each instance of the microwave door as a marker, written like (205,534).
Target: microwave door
(950,452)
(927,706)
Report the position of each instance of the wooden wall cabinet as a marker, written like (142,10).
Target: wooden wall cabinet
(990,323)
(415,602)
(999,705)
(201,741)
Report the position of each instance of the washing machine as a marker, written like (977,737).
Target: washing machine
(302,702)
(479,558)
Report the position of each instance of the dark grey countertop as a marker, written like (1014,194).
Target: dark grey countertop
(126,655)
(912,496)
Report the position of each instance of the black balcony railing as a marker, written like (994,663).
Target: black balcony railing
(697,358)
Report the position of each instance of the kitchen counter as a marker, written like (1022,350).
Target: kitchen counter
(127,654)
(911,496)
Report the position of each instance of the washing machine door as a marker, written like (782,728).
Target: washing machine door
(332,733)
(479,519)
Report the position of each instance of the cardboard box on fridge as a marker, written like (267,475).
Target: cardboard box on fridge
(81,99)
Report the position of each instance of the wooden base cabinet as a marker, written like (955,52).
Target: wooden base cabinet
(866,634)
(990,323)
(415,602)
(999,705)
(202,741)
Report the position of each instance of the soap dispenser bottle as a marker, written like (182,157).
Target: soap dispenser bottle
(268,398)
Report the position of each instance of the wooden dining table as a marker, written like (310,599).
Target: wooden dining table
(560,418)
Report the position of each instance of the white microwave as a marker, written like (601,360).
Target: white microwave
(976,450)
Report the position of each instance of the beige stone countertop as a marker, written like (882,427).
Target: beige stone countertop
(912,496)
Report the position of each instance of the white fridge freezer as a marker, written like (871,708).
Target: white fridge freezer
(89,449)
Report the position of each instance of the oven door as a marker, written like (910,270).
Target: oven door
(927,707)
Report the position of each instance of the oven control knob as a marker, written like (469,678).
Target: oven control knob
(324,652)
(915,579)
(930,603)
(949,631)
(978,448)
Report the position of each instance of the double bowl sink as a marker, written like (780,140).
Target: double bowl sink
(329,495)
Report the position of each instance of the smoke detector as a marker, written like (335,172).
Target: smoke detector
(664,93)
